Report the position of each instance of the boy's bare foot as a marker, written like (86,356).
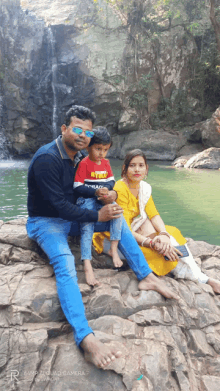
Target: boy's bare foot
(98,353)
(89,274)
(215,284)
(115,258)
(151,282)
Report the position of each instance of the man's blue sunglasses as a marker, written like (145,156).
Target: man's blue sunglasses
(88,133)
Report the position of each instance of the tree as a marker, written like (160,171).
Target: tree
(214,14)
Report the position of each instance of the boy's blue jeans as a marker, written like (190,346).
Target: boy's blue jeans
(51,235)
(87,229)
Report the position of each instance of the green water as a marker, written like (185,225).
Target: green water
(188,199)
(13,189)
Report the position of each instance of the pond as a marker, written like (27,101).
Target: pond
(188,199)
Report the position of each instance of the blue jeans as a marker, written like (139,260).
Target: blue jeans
(51,235)
(87,229)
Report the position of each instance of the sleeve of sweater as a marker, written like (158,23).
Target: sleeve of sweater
(48,171)
(110,180)
(80,188)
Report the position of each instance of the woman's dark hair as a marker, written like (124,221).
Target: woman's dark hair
(101,136)
(80,112)
(128,158)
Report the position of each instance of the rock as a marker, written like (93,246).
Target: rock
(157,145)
(210,130)
(181,161)
(189,150)
(128,121)
(167,345)
(210,158)
(85,53)
(211,383)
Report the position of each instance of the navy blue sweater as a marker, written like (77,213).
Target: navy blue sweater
(50,185)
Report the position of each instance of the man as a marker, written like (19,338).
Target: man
(53,216)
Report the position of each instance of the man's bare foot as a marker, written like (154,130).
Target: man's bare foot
(98,353)
(89,274)
(215,284)
(151,282)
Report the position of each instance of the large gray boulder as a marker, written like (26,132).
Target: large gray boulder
(209,159)
(210,130)
(158,145)
(167,345)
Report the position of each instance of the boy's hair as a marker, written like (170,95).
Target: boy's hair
(128,158)
(101,136)
(80,112)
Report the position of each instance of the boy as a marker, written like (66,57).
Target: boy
(93,180)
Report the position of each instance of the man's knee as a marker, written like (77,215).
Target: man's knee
(64,265)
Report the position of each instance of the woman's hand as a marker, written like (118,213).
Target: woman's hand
(163,246)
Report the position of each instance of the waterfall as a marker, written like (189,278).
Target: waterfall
(3,145)
(53,60)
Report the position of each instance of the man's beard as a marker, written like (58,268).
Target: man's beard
(73,147)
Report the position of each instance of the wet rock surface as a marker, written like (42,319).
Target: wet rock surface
(166,345)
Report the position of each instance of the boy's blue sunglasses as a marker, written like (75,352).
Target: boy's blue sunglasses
(88,133)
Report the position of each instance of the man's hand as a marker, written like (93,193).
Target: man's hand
(102,191)
(109,212)
(109,198)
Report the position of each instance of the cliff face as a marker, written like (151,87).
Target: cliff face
(53,55)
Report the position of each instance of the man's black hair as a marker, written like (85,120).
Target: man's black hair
(101,136)
(80,112)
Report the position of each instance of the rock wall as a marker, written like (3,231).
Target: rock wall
(167,345)
(53,56)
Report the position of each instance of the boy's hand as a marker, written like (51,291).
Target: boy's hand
(102,192)
(109,198)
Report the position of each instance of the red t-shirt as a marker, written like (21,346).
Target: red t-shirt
(91,174)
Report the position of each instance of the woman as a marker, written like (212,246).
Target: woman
(157,241)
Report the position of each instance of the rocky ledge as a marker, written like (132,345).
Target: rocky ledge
(210,159)
(167,345)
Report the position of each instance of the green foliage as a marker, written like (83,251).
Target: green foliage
(147,20)
(174,112)
(114,80)
(205,79)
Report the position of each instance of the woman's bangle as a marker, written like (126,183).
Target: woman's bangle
(151,244)
(164,233)
(142,244)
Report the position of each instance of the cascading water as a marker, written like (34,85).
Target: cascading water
(3,145)
(53,60)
